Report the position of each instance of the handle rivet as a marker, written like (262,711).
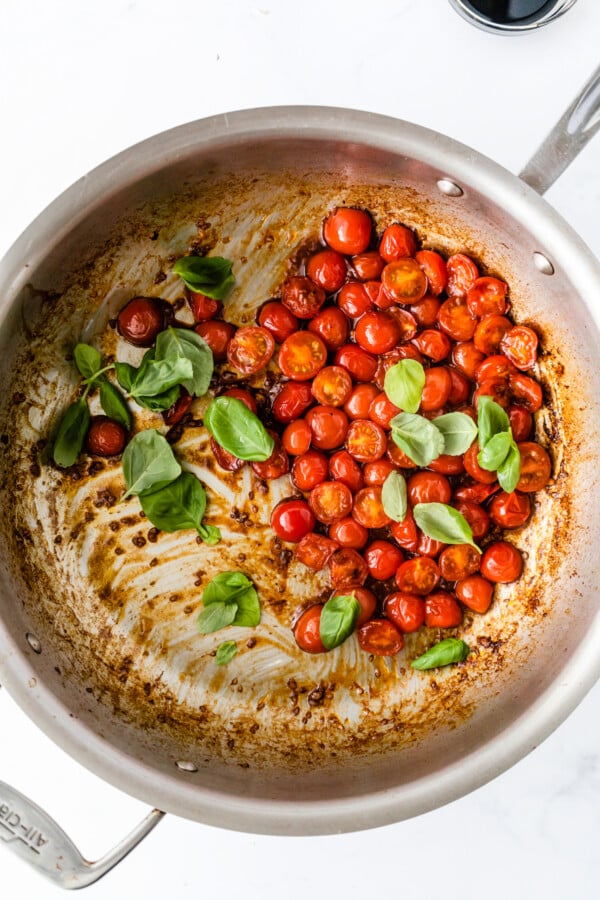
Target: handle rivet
(542,263)
(450,188)
(186,766)
(33,642)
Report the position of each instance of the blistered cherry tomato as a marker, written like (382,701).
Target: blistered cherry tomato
(387,360)
(477,517)
(501,563)
(434,267)
(428,487)
(217,335)
(348,230)
(375,473)
(442,610)
(368,508)
(368,266)
(332,386)
(245,396)
(380,637)
(302,355)
(418,576)
(397,242)
(475,593)
(461,387)
(456,320)
(437,388)
(520,345)
(307,630)
(327,268)
(354,299)
(309,470)
(330,501)
(359,402)
(106,437)
(365,440)
(428,546)
(328,425)
(474,469)
(487,297)
(315,551)
(458,561)
(406,532)
(377,332)
(302,296)
(521,422)
(276,465)
(345,469)
(332,326)
(510,510)
(366,598)
(203,307)
(250,349)
(496,388)
(447,465)
(347,567)
(426,311)
(361,365)
(292,401)
(349,533)
(224,458)
(291,520)
(382,559)
(527,391)
(466,357)
(140,320)
(398,457)
(476,492)
(536,467)
(434,344)
(175,413)
(489,333)
(296,437)
(493,367)
(382,410)
(404,281)
(462,273)
(406,611)
(278,319)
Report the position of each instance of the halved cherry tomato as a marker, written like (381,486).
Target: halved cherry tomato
(366,598)
(447,465)
(428,487)
(474,469)
(358,404)
(521,422)
(328,425)
(368,508)
(377,332)
(476,516)
(461,387)
(348,230)
(307,630)
(347,567)
(354,299)
(434,267)
(292,401)
(377,472)
(327,269)
(330,501)
(297,437)
(437,389)
(426,311)
(217,335)
(250,349)
(365,440)
(342,467)
(466,357)
(489,333)
(382,410)
(383,559)
(404,281)
(332,386)
(332,326)
(276,465)
(458,561)
(406,611)
(291,520)
(140,320)
(536,467)
(224,458)
(302,355)
(475,593)
(106,437)
(315,551)
(456,320)
(406,532)
(368,266)
(434,344)
(510,510)
(361,365)
(418,576)
(492,367)
(462,273)
(175,413)
(397,242)
(380,637)
(501,563)
(309,470)
(487,297)
(349,533)
(203,307)
(527,391)
(520,344)
(442,610)
(302,296)
(277,319)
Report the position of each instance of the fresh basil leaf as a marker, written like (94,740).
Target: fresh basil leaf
(225,587)
(161,402)
(448,651)
(459,432)
(87,359)
(491,419)
(125,375)
(338,619)
(71,434)
(403,384)
(175,343)
(216,616)
(238,430)
(177,506)
(113,403)
(443,523)
(148,463)
(225,652)
(208,275)
(393,496)
(248,604)
(159,375)
(209,534)
(417,437)
(510,470)
(493,454)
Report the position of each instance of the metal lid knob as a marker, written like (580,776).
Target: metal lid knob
(511,16)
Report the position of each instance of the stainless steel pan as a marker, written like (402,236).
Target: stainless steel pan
(97,616)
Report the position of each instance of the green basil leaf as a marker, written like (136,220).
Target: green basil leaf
(248,604)
(238,430)
(113,403)
(161,402)
(491,419)
(403,384)
(208,275)
(225,587)
(225,652)
(177,506)
(443,523)
(510,470)
(71,434)
(448,651)
(393,496)
(125,375)
(216,616)
(87,359)
(209,534)
(459,432)
(148,463)
(417,437)
(338,619)
(492,455)
(159,375)
(176,343)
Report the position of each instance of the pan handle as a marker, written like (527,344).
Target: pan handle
(569,136)
(36,838)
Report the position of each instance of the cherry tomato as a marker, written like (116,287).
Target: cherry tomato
(296,437)
(501,563)
(428,546)
(315,551)
(406,611)
(347,567)
(307,630)
(489,333)
(398,457)
(520,345)
(405,321)
(203,307)
(380,637)
(447,465)
(476,492)
(510,510)
(382,559)
(224,458)
(434,344)
(536,467)
(466,357)
(332,386)
(349,533)
(493,367)
(418,576)
(302,355)
(458,561)
(141,320)
(521,422)
(526,391)
(348,230)
(456,320)
(250,349)
(359,402)
(302,296)
(428,487)
(366,598)
(361,365)
(462,273)
(276,465)
(474,469)
(106,437)
(461,387)
(278,319)
(386,360)
(442,610)
(426,311)
(475,593)
(332,326)
(292,401)
(354,299)
(368,266)
(404,281)
(382,410)
(291,520)
(375,473)
(327,269)
(476,516)
(328,425)
(496,388)
(217,335)
(406,532)
(175,413)
(437,389)
(330,501)
(245,396)
(434,267)
(487,297)
(377,332)
(365,440)
(368,508)
(309,470)
(343,468)
(397,242)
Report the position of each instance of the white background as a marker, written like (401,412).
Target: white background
(80,82)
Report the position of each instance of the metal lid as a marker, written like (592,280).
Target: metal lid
(511,16)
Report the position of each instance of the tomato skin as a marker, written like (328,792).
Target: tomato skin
(406,611)
(501,563)
(475,493)
(398,457)
(291,520)
(434,267)
(315,551)
(442,610)
(521,422)
(527,391)
(349,533)
(462,273)
(332,326)
(455,319)
(382,559)
(277,319)
(175,413)
(330,501)
(489,333)
(328,425)
(354,300)
(475,593)
(250,349)
(510,510)
(307,630)
(447,465)
(380,637)
(466,357)
(203,307)
(477,517)
(224,458)
(418,576)
(365,440)
(536,467)
(426,311)
(342,467)
(332,386)
(382,411)
(292,401)
(217,335)
(106,437)
(493,367)
(302,296)
(348,230)
(458,561)
(428,546)
(309,470)
(375,473)
(437,389)
(368,508)
(359,402)
(327,269)
(397,242)
(434,344)
(347,567)
(366,598)
(487,297)
(302,355)
(428,487)
(520,345)
(377,332)
(361,365)
(386,360)
(461,387)
(368,266)
(473,467)
(406,532)
(296,437)
(496,388)
(276,465)
(140,320)
(404,281)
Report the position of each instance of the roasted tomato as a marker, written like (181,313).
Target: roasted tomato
(434,267)
(406,611)
(277,319)
(291,520)
(141,320)
(501,563)
(332,386)
(397,242)
(217,335)
(276,465)
(342,467)
(442,610)
(302,296)
(368,266)
(383,559)
(315,551)
(106,437)
(250,349)
(348,230)
(461,272)
(404,281)
(332,326)
(459,561)
(309,470)
(292,401)
(380,637)
(487,297)
(347,567)
(536,467)
(327,269)
(307,630)
(520,345)
(349,533)
(428,487)
(365,440)
(418,576)
(302,355)
(510,510)
(328,425)
(330,501)
(297,437)
(361,365)
(377,331)
(475,593)
(368,508)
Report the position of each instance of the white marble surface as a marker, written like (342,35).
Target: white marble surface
(81,81)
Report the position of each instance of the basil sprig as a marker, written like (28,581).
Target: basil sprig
(443,523)
(498,451)
(238,430)
(208,275)
(338,620)
(225,652)
(229,599)
(394,496)
(446,652)
(404,383)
